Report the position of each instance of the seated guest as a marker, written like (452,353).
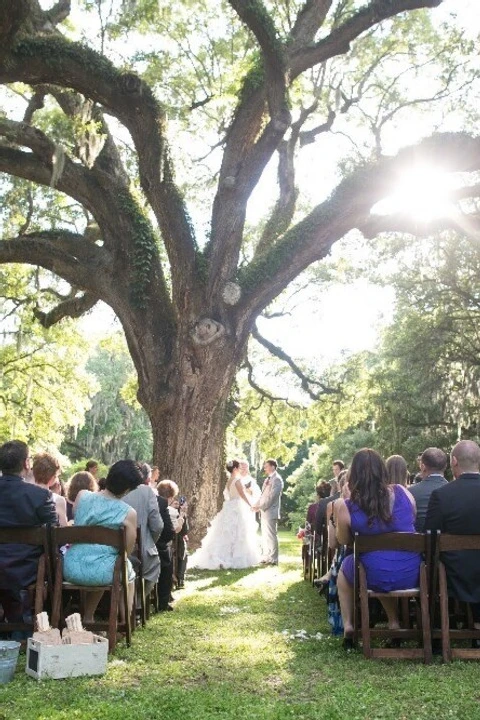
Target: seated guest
(375,507)
(45,471)
(321,514)
(82,480)
(432,467)
(397,470)
(91,466)
(93,564)
(21,505)
(313,507)
(339,552)
(154,478)
(144,500)
(455,508)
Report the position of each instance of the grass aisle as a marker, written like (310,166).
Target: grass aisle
(226,652)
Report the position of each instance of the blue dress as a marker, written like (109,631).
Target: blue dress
(386,570)
(93,564)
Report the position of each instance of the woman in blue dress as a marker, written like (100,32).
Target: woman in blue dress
(375,507)
(93,564)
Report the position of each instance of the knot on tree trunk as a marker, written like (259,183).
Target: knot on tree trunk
(206,331)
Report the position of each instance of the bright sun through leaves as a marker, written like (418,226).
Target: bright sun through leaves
(422,193)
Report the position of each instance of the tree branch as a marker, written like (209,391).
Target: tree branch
(259,21)
(245,156)
(74,180)
(73,308)
(406,224)
(310,18)
(130,100)
(66,254)
(338,42)
(347,208)
(305,380)
(264,394)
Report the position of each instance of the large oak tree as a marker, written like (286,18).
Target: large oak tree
(188,308)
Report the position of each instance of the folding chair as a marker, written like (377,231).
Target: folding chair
(407,542)
(448,633)
(42,588)
(310,549)
(306,560)
(96,535)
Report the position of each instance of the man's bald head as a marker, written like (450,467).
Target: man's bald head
(465,457)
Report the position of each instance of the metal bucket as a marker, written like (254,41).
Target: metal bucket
(9,650)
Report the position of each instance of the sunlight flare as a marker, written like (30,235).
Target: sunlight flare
(424,193)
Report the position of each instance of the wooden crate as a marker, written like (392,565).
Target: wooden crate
(64,661)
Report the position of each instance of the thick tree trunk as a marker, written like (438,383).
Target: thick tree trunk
(189,426)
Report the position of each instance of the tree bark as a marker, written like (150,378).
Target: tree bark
(189,424)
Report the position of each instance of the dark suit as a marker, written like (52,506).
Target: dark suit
(455,509)
(422,492)
(21,505)
(164,547)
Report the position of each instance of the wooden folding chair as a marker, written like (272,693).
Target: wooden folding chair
(305,560)
(447,631)
(42,588)
(96,535)
(311,558)
(407,542)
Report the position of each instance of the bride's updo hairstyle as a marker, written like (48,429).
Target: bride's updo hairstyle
(232,465)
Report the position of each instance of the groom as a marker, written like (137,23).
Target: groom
(269,506)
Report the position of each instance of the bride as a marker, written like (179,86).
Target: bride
(231,540)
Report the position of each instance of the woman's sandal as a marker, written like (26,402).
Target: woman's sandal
(348,642)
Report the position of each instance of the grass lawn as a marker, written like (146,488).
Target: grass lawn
(224,653)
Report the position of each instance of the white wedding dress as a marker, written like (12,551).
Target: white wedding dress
(231,541)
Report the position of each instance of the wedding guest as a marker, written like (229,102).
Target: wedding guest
(91,466)
(154,478)
(46,469)
(397,470)
(433,464)
(82,480)
(93,564)
(21,505)
(164,547)
(455,508)
(375,507)
(168,490)
(181,546)
(143,500)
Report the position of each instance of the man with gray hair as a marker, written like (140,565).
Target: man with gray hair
(433,462)
(455,509)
